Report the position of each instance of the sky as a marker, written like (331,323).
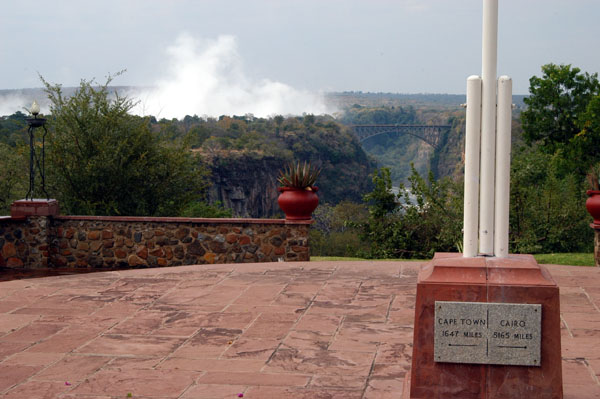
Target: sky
(278,56)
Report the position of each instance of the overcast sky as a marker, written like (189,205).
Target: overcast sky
(404,46)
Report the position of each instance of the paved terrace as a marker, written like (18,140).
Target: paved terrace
(271,330)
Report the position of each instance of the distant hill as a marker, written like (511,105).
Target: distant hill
(347,99)
(395,152)
(12,101)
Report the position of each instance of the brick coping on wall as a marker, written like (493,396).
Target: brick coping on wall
(181,219)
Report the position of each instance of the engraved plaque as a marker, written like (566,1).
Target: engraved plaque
(487,333)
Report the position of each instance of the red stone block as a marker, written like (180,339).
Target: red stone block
(59,261)
(14,262)
(143,253)
(231,238)
(9,250)
(159,252)
(516,279)
(36,207)
(119,253)
(93,235)
(162,262)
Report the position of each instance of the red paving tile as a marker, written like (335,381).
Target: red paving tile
(72,368)
(214,391)
(275,330)
(120,383)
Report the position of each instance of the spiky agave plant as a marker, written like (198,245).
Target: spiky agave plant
(299,175)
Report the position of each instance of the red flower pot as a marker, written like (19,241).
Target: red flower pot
(298,204)
(593,205)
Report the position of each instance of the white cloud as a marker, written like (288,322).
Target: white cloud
(206,77)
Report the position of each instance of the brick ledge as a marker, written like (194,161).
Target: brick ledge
(185,220)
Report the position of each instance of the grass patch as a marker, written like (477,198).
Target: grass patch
(347,258)
(571,259)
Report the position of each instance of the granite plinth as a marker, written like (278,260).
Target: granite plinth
(34,207)
(517,279)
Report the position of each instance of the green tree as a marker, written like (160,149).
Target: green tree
(13,129)
(420,221)
(105,161)
(547,208)
(13,175)
(555,114)
(336,231)
(562,127)
(585,145)
(205,210)
(381,201)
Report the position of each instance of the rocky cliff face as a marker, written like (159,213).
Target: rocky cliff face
(449,159)
(246,185)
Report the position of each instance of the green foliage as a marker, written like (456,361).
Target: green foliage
(298,176)
(14,174)
(336,230)
(104,161)
(204,210)
(593,177)
(13,129)
(358,115)
(336,243)
(320,140)
(562,115)
(562,127)
(584,147)
(381,201)
(547,207)
(418,222)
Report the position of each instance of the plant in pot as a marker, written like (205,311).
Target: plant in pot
(298,198)
(593,202)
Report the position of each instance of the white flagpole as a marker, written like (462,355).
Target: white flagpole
(503,166)
(472,135)
(488,126)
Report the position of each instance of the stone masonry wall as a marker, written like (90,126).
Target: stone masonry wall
(127,242)
(24,242)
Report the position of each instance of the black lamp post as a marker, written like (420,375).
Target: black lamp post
(34,159)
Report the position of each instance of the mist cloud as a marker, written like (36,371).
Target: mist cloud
(13,102)
(206,77)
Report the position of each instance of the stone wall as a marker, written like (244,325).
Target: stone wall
(125,242)
(23,242)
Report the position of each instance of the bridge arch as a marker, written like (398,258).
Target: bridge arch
(430,134)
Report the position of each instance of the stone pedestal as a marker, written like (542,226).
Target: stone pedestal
(517,279)
(35,207)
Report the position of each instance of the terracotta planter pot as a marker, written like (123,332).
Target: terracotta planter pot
(593,205)
(298,204)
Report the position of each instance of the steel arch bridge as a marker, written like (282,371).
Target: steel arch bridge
(430,134)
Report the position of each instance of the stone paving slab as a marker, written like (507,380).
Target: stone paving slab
(271,330)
